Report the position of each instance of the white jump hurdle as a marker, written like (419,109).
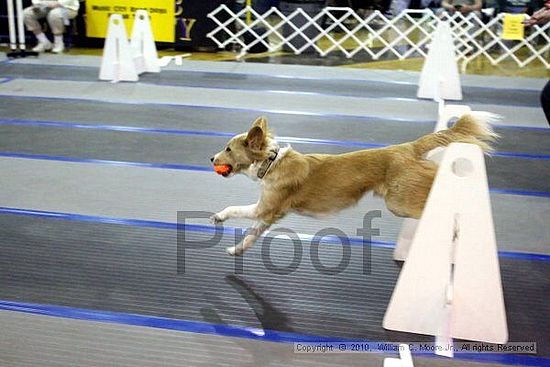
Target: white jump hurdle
(439,78)
(435,296)
(143,45)
(450,284)
(123,60)
(408,229)
(439,74)
(117,63)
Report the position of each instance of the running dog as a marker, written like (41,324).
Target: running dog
(319,184)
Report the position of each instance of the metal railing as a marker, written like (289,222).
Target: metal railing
(403,36)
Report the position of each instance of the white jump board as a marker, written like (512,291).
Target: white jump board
(431,297)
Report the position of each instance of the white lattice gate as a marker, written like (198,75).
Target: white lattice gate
(406,35)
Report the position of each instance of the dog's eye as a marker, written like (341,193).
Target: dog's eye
(227,149)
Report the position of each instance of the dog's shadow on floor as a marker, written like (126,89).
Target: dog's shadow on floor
(268,316)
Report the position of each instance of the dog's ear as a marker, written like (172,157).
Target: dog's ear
(261,122)
(255,138)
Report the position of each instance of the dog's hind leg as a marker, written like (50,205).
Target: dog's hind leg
(244,211)
(249,240)
(408,190)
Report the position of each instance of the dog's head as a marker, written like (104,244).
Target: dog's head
(245,149)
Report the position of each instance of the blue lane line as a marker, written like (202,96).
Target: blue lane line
(284,139)
(527,128)
(227,230)
(160,322)
(265,335)
(243,109)
(185,167)
(40,123)
(231,231)
(543,194)
(188,167)
(260,110)
(228,88)
(5,80)
(521,155)
(305,93)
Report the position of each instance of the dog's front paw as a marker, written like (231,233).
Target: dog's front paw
(216,219)
(235,250)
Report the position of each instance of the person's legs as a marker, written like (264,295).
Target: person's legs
(31,15)
(545,101)
(56,19)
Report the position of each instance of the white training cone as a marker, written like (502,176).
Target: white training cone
(408,229)
(117,63)
(143,45)
(439,78)
(432,296)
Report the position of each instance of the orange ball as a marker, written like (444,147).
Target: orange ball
(222,169)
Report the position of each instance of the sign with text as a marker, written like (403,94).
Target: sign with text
(161,13)
(512,27)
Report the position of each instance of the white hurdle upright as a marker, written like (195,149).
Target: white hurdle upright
(408,229)
(125,60)
(435,295)
(117,63)
(404,360)
(143,44)
(16,30)
(450,284)
(439,78)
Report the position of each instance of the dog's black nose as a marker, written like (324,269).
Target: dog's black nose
(212,159)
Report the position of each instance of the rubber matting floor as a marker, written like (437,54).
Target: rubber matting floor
(91,188)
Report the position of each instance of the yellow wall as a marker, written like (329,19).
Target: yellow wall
(161,13)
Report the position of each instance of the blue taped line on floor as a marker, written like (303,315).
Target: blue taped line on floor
(227,230)
(258,334)
(282,139)
(186,167)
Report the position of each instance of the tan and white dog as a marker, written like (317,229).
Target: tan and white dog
(317,184)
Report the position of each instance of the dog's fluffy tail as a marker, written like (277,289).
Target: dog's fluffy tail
(473,128)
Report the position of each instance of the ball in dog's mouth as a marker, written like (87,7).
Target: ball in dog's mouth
(223,169)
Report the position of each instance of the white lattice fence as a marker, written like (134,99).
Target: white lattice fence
(406,35)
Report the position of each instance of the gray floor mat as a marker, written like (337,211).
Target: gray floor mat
(369,130)
(504,172)
(154,95)
(135,270)
(132,269)
(158,194)
(60,342)
(356,88)
(299,71)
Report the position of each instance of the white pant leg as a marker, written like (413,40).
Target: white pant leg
(57,18)
(32,15)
